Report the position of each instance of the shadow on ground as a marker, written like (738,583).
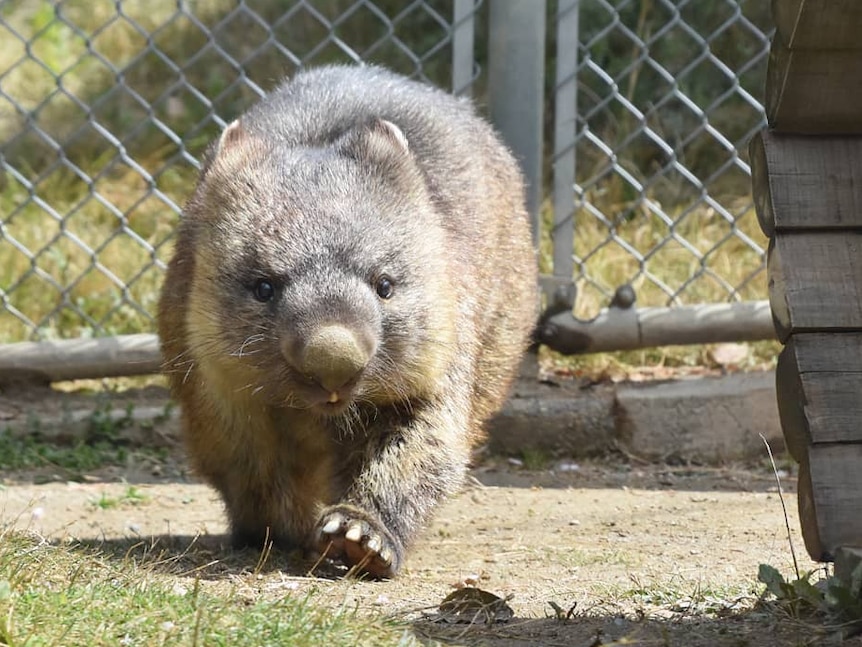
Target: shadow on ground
(755,628)
(587,623)
(209,557)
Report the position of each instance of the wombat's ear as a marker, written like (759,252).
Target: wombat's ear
(377,140)
(233,129)
(231,135)
(390,133)
(234,148)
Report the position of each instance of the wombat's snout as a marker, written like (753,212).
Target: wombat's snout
(333,357)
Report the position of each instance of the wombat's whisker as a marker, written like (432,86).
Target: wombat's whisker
(252,339)
(188,372)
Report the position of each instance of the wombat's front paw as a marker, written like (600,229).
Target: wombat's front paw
(359,540)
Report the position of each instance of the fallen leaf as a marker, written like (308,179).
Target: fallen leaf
(474,606)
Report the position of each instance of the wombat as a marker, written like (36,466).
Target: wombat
(353,285)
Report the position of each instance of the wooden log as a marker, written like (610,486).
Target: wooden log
(818,383)
(629,328)
(51,361)
(791,407)
(814,91)
(818,24)
(804,182)
(815,282)
(836,493)
(808,514)
(847,560)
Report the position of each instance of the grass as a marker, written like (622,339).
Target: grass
(98,445)
(64,594)
(25,452)
(132,496)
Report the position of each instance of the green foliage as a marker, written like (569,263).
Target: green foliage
(838,603)
(535,459)
(69,595)
(101,444)
(131,497)
(26,452)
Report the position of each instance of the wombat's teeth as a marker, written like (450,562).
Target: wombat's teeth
(333,397)
(373,544)
(354,533)
(331,526)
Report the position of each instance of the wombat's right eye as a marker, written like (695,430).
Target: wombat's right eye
(263,290)
(384,287)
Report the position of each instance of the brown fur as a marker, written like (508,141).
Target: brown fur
(341,178)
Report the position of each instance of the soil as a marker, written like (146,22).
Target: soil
(648,554)
(584,553)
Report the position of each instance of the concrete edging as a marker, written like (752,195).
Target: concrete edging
(709,420)
(702,419)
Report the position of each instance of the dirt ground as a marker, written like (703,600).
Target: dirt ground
(643,554)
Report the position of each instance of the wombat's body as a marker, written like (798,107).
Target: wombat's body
(353,285)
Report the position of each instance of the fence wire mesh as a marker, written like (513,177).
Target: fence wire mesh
(105,108)
(668,96)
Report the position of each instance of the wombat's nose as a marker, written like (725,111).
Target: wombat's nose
(333,357)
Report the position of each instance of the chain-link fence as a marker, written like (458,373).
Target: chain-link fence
(106,106)
(668,95)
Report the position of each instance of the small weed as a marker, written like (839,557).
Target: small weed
(105,425)
(131,497)
(837,603)
(535,459)
(688,597)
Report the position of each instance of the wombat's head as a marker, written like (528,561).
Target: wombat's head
(319,273)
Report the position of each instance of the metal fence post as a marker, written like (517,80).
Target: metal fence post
(565,132)
(516,74)
(463,44)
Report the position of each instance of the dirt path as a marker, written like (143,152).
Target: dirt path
(654,554)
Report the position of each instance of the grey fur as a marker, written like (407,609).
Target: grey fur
(341,184)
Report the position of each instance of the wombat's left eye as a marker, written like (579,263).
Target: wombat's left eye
(263,290)
(385,288)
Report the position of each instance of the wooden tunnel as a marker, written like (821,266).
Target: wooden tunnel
(807,177)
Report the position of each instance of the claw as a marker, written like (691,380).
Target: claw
(374,544)
(331,526)
(354,533)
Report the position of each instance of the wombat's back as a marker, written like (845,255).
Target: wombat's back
(317,106)
(452,145)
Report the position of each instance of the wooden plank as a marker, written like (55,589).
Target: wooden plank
(818,383)
(73,359)
(815,282)
(818,24)
(814,91)
(847,560)
(808,514)
(803,182)
(836,485)
(791,408)
(761,152)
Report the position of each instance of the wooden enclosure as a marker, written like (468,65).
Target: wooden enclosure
(807,176)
